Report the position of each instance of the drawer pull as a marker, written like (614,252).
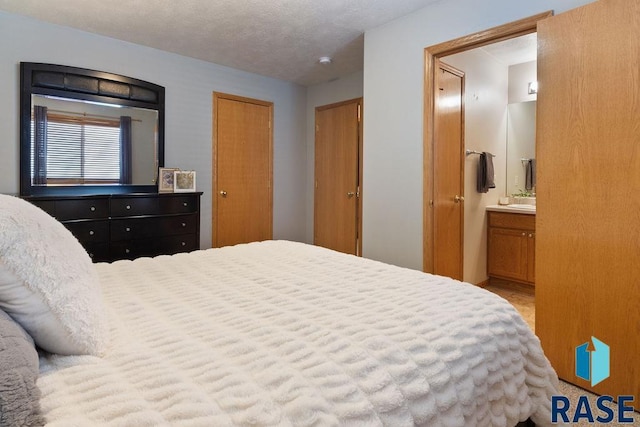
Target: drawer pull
(524,234)
(185,204)
(127,229)
(184,224)
(92,208)
(128,207)
(184,243)
(91,233)
(126,251)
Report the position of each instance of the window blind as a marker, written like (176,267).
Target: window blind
(80,152)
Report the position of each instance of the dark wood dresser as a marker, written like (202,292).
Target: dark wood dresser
(128,226)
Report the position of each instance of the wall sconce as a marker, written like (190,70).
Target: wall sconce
(533,88)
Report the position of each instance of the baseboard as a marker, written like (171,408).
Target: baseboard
(513,286)
(483,284)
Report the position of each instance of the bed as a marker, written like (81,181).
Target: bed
(285,334)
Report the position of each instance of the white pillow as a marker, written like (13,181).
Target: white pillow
(48,283)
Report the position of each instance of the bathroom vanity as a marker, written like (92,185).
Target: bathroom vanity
(511,243)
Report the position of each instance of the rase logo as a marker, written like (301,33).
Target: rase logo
(593,366)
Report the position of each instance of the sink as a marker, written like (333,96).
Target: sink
(522,206)
(515,208)
(520,200)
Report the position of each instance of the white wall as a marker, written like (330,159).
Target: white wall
(521,123)
(189,85)
(344,89)
(519,77)
(486,94)
(393,128)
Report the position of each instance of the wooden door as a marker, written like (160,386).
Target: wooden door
(448,201)
(337,176)
(588,208)
(242,170)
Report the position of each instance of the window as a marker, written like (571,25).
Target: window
(79,149)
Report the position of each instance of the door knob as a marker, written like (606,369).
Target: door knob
(350,194)
(223,193)
(458,199)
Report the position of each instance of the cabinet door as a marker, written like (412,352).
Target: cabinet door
(531,257)
(508,253)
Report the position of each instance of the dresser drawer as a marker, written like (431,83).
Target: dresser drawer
(152,247)
(139,228)
(89,231)
(70,209)
(81,209)
(98,252)
(162,205)
(179,204)
(181,243)
(134,206)
(127,226)
(49,206)
(512,220)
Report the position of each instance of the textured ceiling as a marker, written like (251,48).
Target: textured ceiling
(277,38)
(514,51)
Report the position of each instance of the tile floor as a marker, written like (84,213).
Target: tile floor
(523,301)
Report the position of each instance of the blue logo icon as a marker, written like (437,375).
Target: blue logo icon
(592,365)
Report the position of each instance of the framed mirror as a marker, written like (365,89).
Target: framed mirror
(88,132)
(521,147)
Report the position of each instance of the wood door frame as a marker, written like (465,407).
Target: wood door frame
(359,204)
(214,173)
(431,54)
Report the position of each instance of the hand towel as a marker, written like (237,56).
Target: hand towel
(530,175)
(485,175)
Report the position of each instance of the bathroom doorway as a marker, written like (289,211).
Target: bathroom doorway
(474,231)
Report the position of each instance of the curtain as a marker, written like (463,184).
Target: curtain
(39,145)
(125,150)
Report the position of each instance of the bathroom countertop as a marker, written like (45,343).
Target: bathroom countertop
(520,209)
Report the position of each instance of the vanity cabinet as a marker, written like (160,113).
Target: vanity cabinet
(511,247)
(128,226)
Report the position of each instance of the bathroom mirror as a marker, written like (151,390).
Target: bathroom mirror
(521,145)
(88,132)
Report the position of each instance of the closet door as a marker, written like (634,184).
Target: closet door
(337,176)
(242,170)
(588,207)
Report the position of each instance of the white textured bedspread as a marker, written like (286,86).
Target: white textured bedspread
(281,333)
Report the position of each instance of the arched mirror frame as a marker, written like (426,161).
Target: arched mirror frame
(89,85)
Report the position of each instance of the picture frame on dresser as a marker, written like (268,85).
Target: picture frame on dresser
(165,179)
(184,181)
